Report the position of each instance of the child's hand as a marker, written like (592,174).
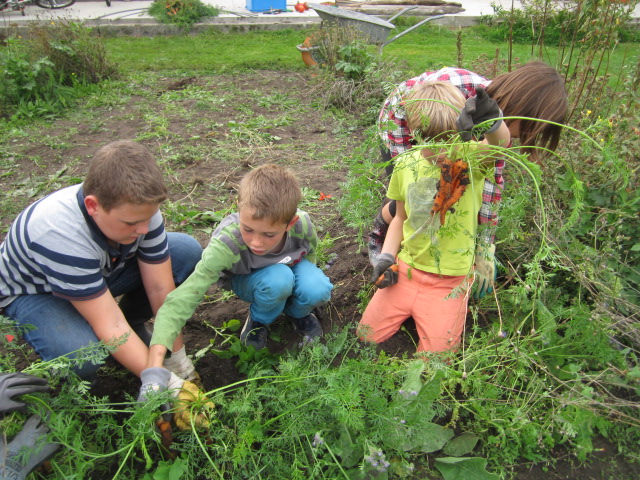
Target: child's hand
(478,110)
(154,380)
(485,271)
(182,366)
(385,271)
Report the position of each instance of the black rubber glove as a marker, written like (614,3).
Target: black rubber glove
(477,110)
(16,384)
(30,439)
(385,271)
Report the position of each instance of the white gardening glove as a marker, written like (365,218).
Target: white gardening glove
(174,384)
(485,271)
(182,366)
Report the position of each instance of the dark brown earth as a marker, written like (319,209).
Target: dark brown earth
(204,156)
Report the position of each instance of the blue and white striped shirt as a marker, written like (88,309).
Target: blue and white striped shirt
(54,246)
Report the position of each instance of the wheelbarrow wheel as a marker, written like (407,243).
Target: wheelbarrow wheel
(108,2)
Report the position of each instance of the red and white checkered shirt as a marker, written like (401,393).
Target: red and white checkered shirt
(396,136)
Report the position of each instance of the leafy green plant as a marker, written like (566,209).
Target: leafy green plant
(188,218)
(338,411)
(545,22)
(354,60)
(78,53)
(184,13)
(45,73)
(350,77)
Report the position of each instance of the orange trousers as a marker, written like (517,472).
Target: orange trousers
(427,297)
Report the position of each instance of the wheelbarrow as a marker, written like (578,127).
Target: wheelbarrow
(375,29)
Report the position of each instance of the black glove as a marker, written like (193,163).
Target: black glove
(30,439)
(477,110)
(385,271)
(16,384)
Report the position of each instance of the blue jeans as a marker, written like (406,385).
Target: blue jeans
(60,329)
(278,288)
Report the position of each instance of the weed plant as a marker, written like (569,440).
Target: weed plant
(43,74)
(542,22)
(350,77)
(77,52)
(183,13)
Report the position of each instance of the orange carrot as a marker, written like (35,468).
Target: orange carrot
(393,267)
(454,178)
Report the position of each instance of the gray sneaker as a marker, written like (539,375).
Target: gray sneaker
(254,334)
(309,326)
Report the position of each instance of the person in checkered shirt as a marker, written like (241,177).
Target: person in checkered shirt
(534,91)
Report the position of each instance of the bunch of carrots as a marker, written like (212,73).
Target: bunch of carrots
(454,178)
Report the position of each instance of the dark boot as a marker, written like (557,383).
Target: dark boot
(137,310)
(376,238)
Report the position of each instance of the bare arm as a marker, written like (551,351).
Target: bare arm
(157,279)
(394,234)
(108,323)
(501,137)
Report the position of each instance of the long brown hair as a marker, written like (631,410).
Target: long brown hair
(534,90)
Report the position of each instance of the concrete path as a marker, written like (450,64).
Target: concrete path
(137,9)
(96,12)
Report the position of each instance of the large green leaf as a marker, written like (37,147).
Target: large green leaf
(464,468)
(461,445)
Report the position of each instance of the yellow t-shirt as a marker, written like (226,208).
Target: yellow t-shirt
(448,249)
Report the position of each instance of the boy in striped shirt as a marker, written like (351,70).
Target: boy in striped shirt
(68,256)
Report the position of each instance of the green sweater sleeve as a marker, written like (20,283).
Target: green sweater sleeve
(312,237)
(180,304)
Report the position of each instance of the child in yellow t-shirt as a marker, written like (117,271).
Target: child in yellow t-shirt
(432,235)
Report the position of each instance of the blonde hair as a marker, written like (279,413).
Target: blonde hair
(431,119)
(124,172)
(271,192)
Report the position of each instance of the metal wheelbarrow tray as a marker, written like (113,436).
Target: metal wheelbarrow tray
(376,29)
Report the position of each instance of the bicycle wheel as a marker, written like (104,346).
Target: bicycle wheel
(54,4)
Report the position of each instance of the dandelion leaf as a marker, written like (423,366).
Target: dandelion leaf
(426,437)
(461,445)
(464,468)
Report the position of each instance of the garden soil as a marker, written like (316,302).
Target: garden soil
(205,151)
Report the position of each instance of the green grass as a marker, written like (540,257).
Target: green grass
(430,46)
(210,52)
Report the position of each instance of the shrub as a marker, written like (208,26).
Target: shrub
(43,74)
(77,53)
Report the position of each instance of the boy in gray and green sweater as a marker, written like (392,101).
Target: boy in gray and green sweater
(266,254)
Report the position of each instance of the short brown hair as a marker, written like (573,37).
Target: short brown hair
(272,192)
(124,172)
(534,90)
(433,119)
